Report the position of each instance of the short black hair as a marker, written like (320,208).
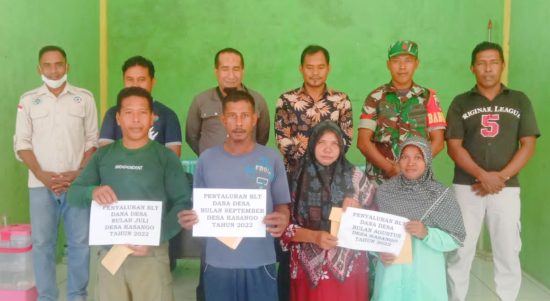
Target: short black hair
(234,95)
(228,50)
(486,46)
(312,49)
(133,91)
(139,60)
(51,48)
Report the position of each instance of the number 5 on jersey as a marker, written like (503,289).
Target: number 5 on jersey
(490,126)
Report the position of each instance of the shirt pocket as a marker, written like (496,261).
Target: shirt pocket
(210,118)
(40,119)
(417,115)
(77,111)
(386,111)
(76,115)
(39,113)
(210,113)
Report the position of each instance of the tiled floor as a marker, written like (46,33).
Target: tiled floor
(481,282)
(482,287)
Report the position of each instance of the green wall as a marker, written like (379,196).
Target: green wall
(181,37)
(26,26)
(529,63)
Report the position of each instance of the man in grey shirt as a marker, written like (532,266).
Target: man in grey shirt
(204,128)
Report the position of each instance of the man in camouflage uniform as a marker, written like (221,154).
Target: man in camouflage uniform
(398,110)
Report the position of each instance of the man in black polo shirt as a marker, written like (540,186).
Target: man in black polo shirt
(491,135)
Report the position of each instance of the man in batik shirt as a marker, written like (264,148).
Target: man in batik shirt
(396,111)
(299,110)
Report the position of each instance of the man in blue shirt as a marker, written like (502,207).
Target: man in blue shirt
(140,72)
(248,272)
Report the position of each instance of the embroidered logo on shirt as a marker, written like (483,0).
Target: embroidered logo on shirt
(129,167)
(36,101)
(77,99)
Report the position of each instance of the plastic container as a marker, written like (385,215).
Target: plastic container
(26,295)
(16,272)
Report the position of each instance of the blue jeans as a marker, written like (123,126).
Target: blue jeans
(46,209)
(240,284)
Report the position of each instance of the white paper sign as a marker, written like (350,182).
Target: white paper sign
(368,230)
(229,212)
(126,222)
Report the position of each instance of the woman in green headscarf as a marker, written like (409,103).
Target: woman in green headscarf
(435,226)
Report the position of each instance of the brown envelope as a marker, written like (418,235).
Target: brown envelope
(115,257)
(405,256)
(230,242)
(335,217)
